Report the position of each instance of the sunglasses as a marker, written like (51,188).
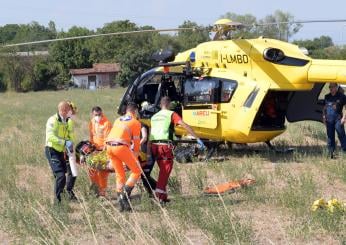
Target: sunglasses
(332,86)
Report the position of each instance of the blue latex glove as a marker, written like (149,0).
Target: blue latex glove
(69,146)
(200,143)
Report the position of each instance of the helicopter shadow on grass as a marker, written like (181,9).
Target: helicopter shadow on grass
(193,201)
(282,153)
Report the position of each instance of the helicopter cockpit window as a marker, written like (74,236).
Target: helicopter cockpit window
(227,90)
(148,87)
(201,91)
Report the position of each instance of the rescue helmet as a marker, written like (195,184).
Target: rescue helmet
(85,148)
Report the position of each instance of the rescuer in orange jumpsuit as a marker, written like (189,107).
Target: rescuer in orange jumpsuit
(125,135)
(99,128)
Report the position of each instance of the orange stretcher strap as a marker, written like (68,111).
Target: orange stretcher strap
(228,186)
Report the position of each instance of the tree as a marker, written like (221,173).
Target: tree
(134,62)
(8,32)
(3,85)
(52,27)
(316,46)
(249,21)
(15,69)
(189,39)
(73,53)
(14,33)
(132,51)
(108,48)
(278,25)
(45,75)
(316,43)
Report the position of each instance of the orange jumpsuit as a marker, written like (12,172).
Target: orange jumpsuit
(125,132)
(98,133)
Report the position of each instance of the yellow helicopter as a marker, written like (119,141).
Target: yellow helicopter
(232,90)
(237,90)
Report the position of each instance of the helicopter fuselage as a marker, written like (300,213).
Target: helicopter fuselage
(240,91)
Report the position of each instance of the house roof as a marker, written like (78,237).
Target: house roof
(97,68)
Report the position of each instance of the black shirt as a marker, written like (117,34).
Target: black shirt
(338,101)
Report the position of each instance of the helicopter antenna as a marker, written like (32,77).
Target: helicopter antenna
(95,35)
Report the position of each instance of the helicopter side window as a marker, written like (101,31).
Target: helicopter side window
(169,88)
(201,91)
(227,90)
(251,98)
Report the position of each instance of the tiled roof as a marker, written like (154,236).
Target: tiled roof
(97,68)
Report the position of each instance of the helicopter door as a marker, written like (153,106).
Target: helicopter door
(128,96)
(248,97)
(305,105)
(131,92)
(200,99)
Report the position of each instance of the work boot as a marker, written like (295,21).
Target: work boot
(128,190)
(124,199)
(102,193)
(331,155)
(93,189)
(163,199)
(72,197)
(124,204)
(120,197)
(127,193)
(163,202)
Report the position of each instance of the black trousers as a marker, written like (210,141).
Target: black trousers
(149,182)
(60,168)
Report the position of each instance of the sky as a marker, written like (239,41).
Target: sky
(172,13)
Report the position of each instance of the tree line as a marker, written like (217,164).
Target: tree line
(133,51)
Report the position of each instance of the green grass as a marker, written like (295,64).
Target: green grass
(286,186)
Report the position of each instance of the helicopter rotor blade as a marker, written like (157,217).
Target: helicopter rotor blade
(94,35)
(165,30)
(298,22)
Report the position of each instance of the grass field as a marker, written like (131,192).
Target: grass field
(274,211)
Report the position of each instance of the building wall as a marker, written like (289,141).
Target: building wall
(80,81)
(102,80)
(105,80)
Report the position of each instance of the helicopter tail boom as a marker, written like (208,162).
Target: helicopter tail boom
(327,71)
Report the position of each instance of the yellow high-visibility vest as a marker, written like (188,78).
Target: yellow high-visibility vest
(58,132)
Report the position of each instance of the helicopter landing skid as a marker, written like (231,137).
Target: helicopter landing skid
(211,149)
(186,153)
(279,151)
